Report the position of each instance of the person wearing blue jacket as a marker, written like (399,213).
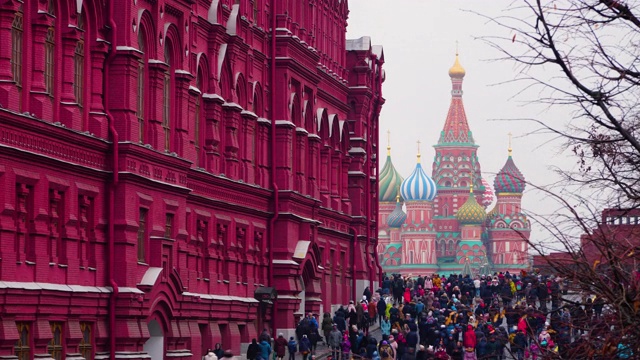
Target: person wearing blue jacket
(293,348)
(305,347)
(265,350)
(385,326)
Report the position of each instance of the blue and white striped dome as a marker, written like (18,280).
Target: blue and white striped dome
(418,186)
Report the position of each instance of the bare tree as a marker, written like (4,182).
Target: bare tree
(588,51)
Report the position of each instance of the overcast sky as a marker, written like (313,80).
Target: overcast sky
(419,39)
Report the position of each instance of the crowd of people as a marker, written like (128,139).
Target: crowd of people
(455,317)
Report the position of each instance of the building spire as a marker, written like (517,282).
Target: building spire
(510,149)
(457,71)
(388,142)
(456,128)
(471,188)
(418,142)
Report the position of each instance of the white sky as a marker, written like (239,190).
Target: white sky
(419,40)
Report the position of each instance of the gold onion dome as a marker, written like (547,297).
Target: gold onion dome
(457,71)
(471,213)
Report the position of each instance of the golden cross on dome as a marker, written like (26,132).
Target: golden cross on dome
(471,188)
(388,142)
(456,47)
(418,142)
(510,149)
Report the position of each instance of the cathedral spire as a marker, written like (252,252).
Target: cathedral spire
(456,128)
(388,142)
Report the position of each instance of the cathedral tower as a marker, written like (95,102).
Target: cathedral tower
(455,167)
(509,228)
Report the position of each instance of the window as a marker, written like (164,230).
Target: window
(56,220)
(166,100)
(24,216)
(49,64)
(16,49)
(140,87)
(78,73)
(85,347)
(255,11)
(55,345)
(22,348)
(51,9)
(168,227)
(197,120)
(142,234)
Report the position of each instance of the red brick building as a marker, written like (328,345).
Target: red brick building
(617,238)
(160,160)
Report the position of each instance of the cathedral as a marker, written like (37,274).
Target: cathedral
(447,222)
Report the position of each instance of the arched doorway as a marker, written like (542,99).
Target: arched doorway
(155,345)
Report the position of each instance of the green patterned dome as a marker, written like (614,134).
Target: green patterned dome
(471,213)
(390,181)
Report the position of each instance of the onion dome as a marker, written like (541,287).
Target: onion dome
(509,179)
(397,216)
(487,196)
(457,71)
(471,213)
(389,180)
(418,186)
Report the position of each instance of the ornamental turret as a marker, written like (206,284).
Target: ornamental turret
(471,213)
(397,217)
(389,180)
(509,179)
(418,191)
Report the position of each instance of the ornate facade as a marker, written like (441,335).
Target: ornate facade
(161,160)
(446,228)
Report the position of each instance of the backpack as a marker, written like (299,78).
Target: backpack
(518,286)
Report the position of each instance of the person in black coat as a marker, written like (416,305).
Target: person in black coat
(382,308)
(367,293)
(253,350)
(543,295)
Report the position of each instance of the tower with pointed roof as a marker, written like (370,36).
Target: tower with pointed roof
(389,200)
(388,185)
(446,227)
(418,235)
(455,168)
(508,227)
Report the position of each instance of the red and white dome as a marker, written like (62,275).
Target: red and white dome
(488,195)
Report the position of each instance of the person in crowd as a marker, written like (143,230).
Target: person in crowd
(265,350)
(280,346)
(292,346)
(305,347)
(253,350)
(334,339)
(218,351)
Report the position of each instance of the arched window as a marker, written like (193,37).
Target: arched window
(16,48)
(49,61)
(196,127)
(140,93)
(443,247)
(51,9)
(166,98)
(78,67)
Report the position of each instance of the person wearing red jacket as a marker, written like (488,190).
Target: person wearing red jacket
(469,338)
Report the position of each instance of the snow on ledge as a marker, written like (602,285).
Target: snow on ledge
(53,287)
(363,43)
(151,276)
